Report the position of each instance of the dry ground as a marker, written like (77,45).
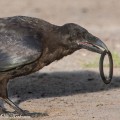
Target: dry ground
(67,90)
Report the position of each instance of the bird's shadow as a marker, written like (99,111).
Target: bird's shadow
(55,84)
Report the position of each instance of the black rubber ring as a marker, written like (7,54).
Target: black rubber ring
(106,80)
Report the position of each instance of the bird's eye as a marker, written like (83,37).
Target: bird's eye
(84,33)
(73,36)
(70,38)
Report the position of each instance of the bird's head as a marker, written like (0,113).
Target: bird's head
(76,37)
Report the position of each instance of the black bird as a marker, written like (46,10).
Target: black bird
(28,44)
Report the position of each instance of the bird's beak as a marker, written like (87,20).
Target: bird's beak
(93,44)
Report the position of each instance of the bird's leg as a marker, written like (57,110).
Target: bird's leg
(4,97)
(2,108)
(14,106)
(3,93)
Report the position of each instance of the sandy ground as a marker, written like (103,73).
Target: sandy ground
(65,90)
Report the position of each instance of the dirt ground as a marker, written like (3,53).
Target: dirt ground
(66,90)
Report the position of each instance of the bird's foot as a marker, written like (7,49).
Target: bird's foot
(7,114)
(34,114)
(28,114)
(24,113)
(2,111)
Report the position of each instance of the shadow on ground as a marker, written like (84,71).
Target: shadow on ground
(55,84)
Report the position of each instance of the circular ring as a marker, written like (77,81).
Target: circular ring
(106,80)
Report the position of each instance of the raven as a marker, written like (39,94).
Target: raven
(28,44)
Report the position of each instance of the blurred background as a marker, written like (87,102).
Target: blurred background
(100,17)
(72,88)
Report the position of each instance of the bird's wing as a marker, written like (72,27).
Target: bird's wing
(18,46)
